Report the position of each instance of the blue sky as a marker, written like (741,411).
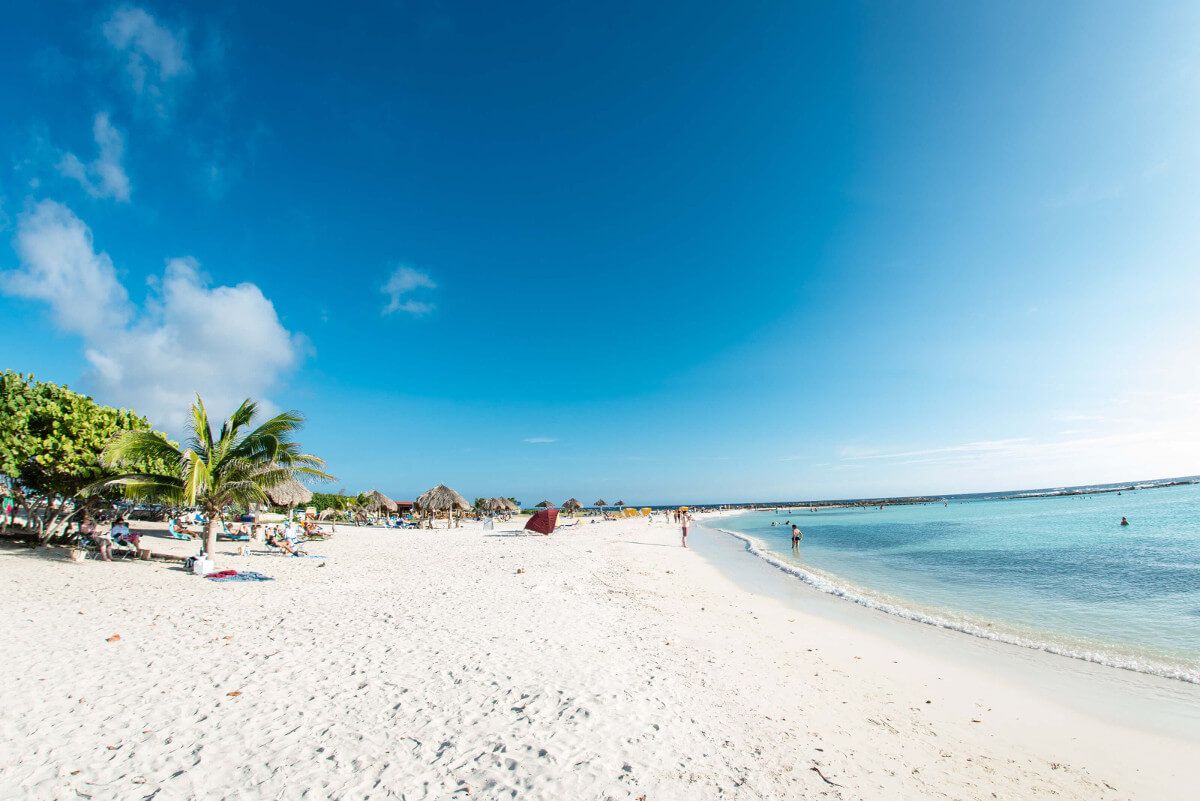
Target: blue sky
(678,253)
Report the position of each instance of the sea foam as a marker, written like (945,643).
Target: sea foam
(860,597)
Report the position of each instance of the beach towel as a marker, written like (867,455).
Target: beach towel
(235,575)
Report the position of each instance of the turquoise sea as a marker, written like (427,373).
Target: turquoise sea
(1057,573)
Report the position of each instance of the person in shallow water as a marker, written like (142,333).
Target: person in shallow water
(1124,522)
(797,535)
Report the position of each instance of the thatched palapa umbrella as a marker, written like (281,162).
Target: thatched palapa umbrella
(571,506)
(441,499)
(378,502)
(499,505)
(290,493)
(545,505)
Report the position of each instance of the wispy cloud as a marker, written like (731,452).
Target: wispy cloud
(966,448)
(400,283)
(105,176)
(225,342)
(155,55)
(540,440)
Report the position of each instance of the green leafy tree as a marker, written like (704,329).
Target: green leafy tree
(51,443)
(236,465)
(330,500)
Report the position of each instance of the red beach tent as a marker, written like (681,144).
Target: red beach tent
(542,522)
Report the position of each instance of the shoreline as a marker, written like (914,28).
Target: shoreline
(603,662)
(1149,702)
(846,590)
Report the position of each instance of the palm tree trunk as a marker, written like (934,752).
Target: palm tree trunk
(210,535)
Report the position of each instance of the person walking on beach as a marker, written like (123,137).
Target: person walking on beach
(797,535)
(685,520)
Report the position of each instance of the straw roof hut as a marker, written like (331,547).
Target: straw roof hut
(441,499)
(290,493)
(378,502)
(571,506)
(601,503)
(545,505)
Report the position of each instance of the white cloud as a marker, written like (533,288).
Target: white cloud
(402,281)
(225,343)
(104,177)
(62,268)
(540,440)
(155,55)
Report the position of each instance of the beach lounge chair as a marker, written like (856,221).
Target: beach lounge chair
(124,548)
(226,534)
(176,533)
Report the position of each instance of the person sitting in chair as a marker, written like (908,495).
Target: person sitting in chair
(121,534)
(276,541)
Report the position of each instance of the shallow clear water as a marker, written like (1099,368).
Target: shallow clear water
(1059,573)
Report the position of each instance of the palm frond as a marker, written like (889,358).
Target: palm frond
(140,486)
(314,473)
(259,447)
(195,476)
(242,416)
(132,447)
(202,435)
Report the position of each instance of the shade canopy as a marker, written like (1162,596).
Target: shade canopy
(441,499)
(290,493)
(545,504)
(600,503)
(571,504)
(542,522)
(379,502)
(619,503)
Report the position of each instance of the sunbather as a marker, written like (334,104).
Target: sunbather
(178,527)
(282,544)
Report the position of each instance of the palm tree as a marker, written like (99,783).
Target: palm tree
(213,472)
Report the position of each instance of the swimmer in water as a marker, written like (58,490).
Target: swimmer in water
(1124,522)
(796,536)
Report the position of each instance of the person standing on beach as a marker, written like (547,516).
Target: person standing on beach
(685,520)
(797,535)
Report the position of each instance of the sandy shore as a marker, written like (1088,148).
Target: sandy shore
(601,662)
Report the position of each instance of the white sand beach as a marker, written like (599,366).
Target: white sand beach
(602,662)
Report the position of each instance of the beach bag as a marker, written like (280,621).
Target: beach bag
(201,565)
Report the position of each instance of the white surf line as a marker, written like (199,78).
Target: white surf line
(826,586)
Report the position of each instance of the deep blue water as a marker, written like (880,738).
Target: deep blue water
(1058,572)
